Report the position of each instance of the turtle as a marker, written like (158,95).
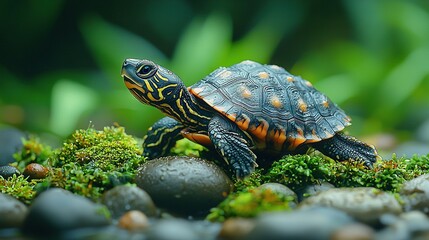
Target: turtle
(243,111)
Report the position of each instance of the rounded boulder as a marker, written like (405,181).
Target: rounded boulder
(184,185)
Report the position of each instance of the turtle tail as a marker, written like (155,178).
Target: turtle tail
(342,147)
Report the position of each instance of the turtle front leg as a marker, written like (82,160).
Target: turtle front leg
(161,137)
(230,142)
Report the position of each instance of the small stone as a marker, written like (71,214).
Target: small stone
(172,229)
(12,212)
(279,189)
(416,221)
(282,191)
(133,220)
(56,210)
(364,203)
(314,189)
(122,199)
(184,185)
(415,194)
(236,228)
(312,223)
(408,225)
(8,171)
(10,143)
(35,171)
(354,231)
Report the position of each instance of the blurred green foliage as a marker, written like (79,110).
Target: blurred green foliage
(60,60)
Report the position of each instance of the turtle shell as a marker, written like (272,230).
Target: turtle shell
(276,108)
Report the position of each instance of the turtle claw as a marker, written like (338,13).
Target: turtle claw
(242,172)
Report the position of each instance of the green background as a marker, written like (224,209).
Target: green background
(61,60)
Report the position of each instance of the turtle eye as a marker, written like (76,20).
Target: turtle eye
(145,70)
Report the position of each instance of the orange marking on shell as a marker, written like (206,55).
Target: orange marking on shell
(296,142)
(198,138)
(315,137)
(308,84)
(290,79)
(245,92)
(325,104)
(279,138)
(225,74)
(261,130)
(244,122)
(264,75)
(275,101)
(232,117)
(302,105)
(196,91)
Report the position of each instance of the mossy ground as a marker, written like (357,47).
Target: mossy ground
(301,170)
(91,162)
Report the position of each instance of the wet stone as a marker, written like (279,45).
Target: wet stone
(364,203)
(415,194)
(10,143)
(314,189)
(8,171)
(409,225)
(282,191)
(184,185)
(12,212)
(56,210)
(354,231)
(133,220)
(172,229)
(35,171)
(311,223)
(236,228)
(124,198)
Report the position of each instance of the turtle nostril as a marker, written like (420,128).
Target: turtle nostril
(130,61)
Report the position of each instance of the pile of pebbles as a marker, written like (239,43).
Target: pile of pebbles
(173,195)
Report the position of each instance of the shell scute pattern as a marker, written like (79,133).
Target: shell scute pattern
(269,103)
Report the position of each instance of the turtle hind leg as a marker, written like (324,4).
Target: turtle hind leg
(341,147)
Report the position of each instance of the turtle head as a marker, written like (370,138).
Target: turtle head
(150,83)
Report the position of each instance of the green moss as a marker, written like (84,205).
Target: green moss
(92,161)
(32,151)
(19,187)
(301,170)
(252,181)
(249,203)
(185,147)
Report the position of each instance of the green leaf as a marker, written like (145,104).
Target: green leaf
(330,85)
(201,47)
(69,101)
(111,44)
(404,79)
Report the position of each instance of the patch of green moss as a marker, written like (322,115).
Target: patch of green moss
(301,170)
(249,203)
(32,151)
(252,181)
(185,147)
(92,161)
(19,187)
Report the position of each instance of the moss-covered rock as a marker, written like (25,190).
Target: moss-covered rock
(301,170)
(92,161)
(88,163)
(249,203)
